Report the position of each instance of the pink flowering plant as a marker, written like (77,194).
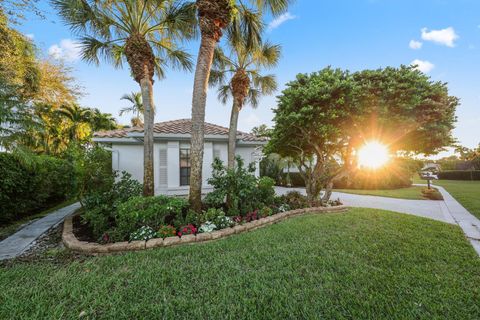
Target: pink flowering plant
(186,230)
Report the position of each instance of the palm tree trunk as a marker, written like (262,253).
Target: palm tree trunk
(147,97)
(232,133)
(200,85)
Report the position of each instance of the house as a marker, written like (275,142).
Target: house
(172,152)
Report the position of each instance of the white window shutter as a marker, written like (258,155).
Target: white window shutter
(163,172)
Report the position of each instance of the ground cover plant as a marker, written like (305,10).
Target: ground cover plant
(361,264)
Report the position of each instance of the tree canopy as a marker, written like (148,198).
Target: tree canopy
(322,118)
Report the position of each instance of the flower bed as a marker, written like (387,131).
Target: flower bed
(71,241)
(119,219)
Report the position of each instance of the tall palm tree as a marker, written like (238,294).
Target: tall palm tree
(135,98)
(214,16)
(238,76)
(77,121)
(145,34)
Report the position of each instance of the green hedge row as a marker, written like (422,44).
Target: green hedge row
(364,180)
(29,185)
(459,175)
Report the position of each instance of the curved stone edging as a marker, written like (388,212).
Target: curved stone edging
(73,243)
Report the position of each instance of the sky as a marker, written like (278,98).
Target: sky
(441,36)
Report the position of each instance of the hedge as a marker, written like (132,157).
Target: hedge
(27,186)
(459,175)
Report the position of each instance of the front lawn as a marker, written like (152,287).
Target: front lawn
(414,192)
(362,264)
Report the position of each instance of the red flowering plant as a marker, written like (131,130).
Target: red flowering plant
(188,229)
(251,216)
(238,219)
(166,231)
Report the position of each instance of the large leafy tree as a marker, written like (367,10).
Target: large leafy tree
(214,16)
(136,107)
(324,117)
(145,34)
(238,74)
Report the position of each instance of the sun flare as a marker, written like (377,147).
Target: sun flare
(373,155)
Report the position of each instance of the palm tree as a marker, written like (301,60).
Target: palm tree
(214,16)
(238,76)
(102,121)
(78,121)
(135,98)
(145,34)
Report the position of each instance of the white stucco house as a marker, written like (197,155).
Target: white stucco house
(172,152)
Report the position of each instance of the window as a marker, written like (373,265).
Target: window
(184,166)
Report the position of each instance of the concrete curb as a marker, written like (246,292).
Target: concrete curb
(71,242)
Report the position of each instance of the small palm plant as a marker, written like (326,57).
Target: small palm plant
(238,76)
(136,107)
(145,34)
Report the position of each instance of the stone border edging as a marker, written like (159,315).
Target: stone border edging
(71,242)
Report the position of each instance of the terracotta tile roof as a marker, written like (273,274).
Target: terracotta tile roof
(182,126)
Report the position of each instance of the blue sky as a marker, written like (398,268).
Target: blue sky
(442,35)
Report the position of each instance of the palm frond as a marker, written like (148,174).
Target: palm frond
(224,93)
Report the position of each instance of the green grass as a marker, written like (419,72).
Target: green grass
(9,229)
(465,192)
(402,193)
(361,264)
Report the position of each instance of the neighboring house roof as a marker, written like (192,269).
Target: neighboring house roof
(428,166)
(180,127)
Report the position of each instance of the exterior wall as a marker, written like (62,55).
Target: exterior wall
(129,157)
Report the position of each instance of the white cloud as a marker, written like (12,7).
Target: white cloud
(415,45)
(423,65)
(445,36)
(67,50)
(30,36)
(275,23)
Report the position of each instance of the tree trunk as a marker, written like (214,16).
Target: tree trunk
(232,133)
(328,192)
(199,99)
(149,117)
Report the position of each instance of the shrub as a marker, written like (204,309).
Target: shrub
(146,211)
(93,169)
(459,175)
(166,231)
(266,212)
(295,200)
(30,183)
(240,188)
(144,233)
(432,194)
(266,191)
(101,206)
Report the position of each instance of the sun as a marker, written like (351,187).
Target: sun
(373,155)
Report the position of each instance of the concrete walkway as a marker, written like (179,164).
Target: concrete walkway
(449,210)
(467,221)
(20,241)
